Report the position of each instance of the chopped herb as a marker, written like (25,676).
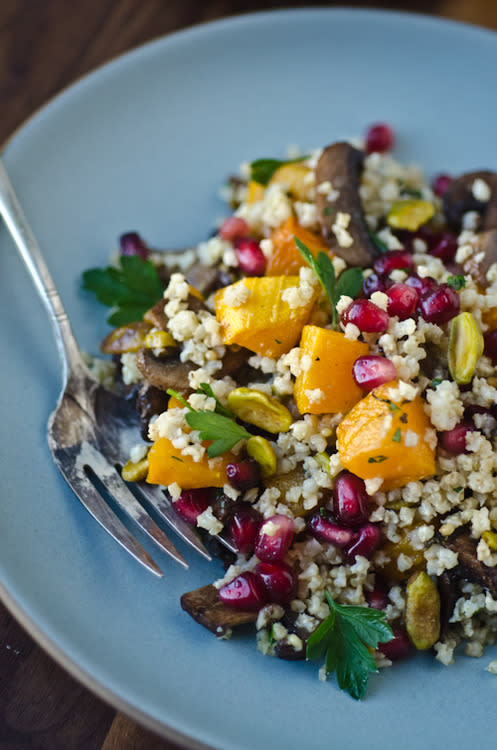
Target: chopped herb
(397,435)
(349,282)
(436,381)
(457,282)
(376,241)
(393,407)
(345,639)
(130,290)
(412,192)
(329,210)
(458,489)
(262,170)
(278,341)
(377,459)
(177,458)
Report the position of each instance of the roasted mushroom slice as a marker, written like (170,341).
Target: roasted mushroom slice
(483,256)
(472,569)
(460,197)
(163,373)
(206,608)
(341,165)
(157,317)
(150,402)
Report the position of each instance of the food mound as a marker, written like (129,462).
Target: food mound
(318,384)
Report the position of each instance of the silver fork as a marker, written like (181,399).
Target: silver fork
(91,430)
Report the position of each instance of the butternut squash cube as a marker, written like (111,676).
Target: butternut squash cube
(285,257)
(263,322)
(166,464)
(330,372)
(387,437)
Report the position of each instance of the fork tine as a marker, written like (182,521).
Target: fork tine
(106,473)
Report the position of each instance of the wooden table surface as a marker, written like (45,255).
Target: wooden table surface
(44,46)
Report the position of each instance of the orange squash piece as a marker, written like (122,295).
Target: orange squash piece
(285,257)
(264,323)
(332,358)
(371,439)
(489,317)
(166,465)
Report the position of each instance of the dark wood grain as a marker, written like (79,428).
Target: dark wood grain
(45,45)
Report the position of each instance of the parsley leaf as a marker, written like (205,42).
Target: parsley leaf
(457,282)
(349,282)
(397,435)
(261,170)
(220,409)
(131,289)
(345,638)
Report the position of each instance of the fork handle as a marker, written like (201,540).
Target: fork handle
(30,252)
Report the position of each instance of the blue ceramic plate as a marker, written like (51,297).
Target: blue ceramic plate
(145,143)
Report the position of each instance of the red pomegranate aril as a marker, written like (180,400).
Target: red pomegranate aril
(421,284)
(439,305)
(233,227)
(445,248)
(131,243)
(372,370)
(398,648)
(191,503)
(367,316)
(251,259)
(402,300)
(243,475)
(454,441)
(327,531)
(379,137)
(243,592)
(393,260)
(366,544)
(440,183)
(378,597)
(243,528)
(274,538)
(490,346)
(350,500)
(279,581)
(375,283)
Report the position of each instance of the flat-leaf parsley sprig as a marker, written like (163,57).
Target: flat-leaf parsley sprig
(211,425)
(349,282)
(345,638)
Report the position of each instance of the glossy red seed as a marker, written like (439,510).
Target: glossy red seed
(274,538)
(366,544)
(243,528)
(421,284)
(379,137)
(251,259)
(243,592)
(378,597)
(439,305)
(398,648)
(375,283)
(233,227)
(350,500)
(490,346)
(402,300)
(440,183)
(393,260)
(279,581)
(445,248)
(372,370)
(367,316)
(131,243)
(243,475)
(454,441)
(328,531)
(191,503)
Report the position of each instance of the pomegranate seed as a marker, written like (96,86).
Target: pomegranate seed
(375,283)
(243,528)
(350,500)
(372,370)
(191,503)
(367,316)
(368,541)
(274,538)
(454,441)
(440,183)
(278,580)
(132,244)
(402,300)
(378,597)
(439,305)
(421,284)
(251,259)
(243,592)
(379,137)
(445,248)
(490,346)
(243,475)
(233,227)
(393,260)
(328,531)
(398,648)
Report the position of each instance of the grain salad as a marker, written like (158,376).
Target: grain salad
(317,387)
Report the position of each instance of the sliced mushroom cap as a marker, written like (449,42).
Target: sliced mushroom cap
(472,569)
(206,608)
(341,164)
(163,373)
(150,402)
(157,317)
(483,256)
(459,198)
